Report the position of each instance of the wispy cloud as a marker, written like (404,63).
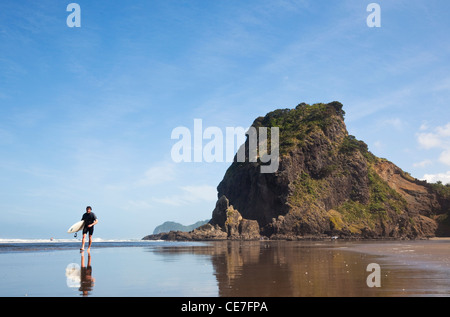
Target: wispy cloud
(133,205)
(439,138)
(396,123)
(159,173)
(443,85)
(358,109)
(423,163)
(6,137)
(190,195)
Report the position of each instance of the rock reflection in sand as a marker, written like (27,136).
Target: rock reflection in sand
(314,268)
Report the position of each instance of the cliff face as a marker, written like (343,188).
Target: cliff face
(327,184)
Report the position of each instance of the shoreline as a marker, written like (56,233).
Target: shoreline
(180,236)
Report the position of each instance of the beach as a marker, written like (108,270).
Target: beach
(39,268)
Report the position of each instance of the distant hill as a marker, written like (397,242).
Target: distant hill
(175,226)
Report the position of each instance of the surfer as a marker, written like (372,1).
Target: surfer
(90,220)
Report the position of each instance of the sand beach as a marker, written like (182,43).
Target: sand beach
(224,269)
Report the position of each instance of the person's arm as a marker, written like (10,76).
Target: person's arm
(94,223)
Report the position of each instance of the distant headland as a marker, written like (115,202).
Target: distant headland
(328,184)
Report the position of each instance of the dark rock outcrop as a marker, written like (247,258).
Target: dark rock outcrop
(226,223)
(231,221)
(327,184)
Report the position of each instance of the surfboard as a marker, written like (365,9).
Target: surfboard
(76,227)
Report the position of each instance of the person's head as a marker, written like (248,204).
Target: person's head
(88,209)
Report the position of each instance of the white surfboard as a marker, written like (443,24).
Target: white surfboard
(76,227)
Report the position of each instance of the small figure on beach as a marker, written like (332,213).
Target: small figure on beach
(90,220)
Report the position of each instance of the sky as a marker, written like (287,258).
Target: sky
(86,113)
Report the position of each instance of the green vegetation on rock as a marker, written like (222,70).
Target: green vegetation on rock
(296,125)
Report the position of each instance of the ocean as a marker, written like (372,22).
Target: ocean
(136,268)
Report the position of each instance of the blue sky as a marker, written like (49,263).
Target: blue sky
(86,114)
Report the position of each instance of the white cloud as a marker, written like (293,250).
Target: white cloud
(445,157)
(433,178)
(429,140)
(444,131)
(439,138)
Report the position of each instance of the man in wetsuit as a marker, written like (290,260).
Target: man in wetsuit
(90,220)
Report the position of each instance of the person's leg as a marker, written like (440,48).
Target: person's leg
(82,242)
(90,241)
(91,232)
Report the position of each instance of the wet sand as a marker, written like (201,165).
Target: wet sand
(334,269)
(229,269)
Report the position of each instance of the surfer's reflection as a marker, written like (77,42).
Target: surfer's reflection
(86,279)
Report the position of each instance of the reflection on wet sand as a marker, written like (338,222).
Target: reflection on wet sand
(81,277)
(289,269)
(86,279)
(294,269)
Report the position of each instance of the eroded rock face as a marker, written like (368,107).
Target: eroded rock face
(420,199)
(327,184)
(231,221)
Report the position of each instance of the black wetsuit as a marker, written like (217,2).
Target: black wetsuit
(88,218)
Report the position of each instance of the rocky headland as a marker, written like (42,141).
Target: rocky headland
(328,184)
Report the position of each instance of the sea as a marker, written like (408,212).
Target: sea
(239,269)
